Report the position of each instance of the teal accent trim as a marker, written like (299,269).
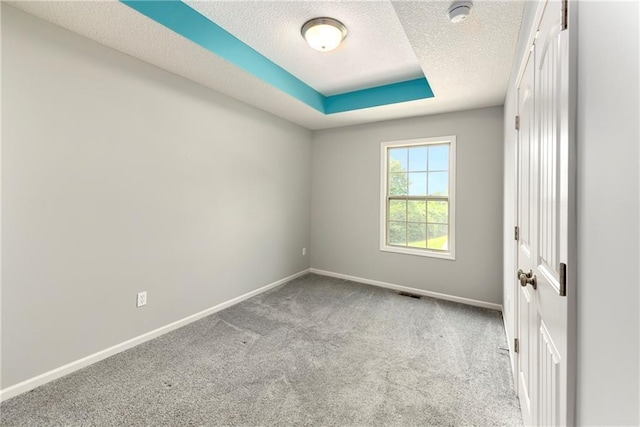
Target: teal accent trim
(381,95)
(190,24)
(182,19)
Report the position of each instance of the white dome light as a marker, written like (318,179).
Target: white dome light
(324,34)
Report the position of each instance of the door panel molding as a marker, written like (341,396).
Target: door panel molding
(549,366)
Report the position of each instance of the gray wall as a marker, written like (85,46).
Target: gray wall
(345,219)
(608,214)
(118,177)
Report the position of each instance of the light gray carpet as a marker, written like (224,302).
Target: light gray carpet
(317,351)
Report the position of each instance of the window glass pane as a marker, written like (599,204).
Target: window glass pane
(438,183)
(417,235)
(418,200)
(417,183)
(418,158)
(397,210)
(398,159)
(398,233)
(417,211)
(438,212)
(398,184)
(439,157)
(437,237)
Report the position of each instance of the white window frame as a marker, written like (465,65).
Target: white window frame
(450,253)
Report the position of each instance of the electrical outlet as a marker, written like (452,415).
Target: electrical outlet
(142,299)
(304,251)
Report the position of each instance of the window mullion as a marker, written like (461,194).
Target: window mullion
(420,198)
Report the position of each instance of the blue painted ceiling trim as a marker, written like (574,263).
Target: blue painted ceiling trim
(381,95)
(182,19)
(187,22)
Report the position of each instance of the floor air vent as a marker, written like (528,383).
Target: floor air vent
(407,294)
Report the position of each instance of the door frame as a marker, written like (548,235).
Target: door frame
(571,77)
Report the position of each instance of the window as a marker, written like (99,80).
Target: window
(417,203)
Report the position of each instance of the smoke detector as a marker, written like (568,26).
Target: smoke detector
(459,11)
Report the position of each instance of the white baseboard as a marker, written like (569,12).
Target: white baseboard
(467,301)
(39,380)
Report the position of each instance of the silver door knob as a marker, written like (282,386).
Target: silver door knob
(527,279)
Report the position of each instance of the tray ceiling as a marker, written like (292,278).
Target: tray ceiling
(467,65)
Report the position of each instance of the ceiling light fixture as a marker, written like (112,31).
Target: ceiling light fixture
(459,11)
(324,34)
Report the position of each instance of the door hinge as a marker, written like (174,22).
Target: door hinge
(516,345)
(517,122)
(563,280)
(565,14)
(516,233)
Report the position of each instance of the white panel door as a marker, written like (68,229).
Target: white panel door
(543,222)
(525,295)
(551,188)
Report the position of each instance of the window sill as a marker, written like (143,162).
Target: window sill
(419,252)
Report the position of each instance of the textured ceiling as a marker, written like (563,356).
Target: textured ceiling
(375,52)
(470,60)
(467,64)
